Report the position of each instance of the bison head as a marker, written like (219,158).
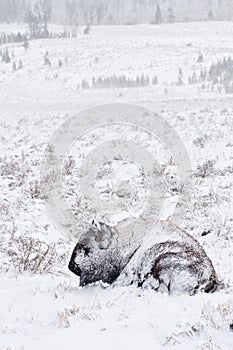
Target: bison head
(96,256)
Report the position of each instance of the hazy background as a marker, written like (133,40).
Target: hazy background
(75,12)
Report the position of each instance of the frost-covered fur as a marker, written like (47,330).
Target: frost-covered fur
(97,257)
(169,259)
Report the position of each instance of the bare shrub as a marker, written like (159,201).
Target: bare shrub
(209,200)
(69,166)
(33,255)
(9,168)
(206,169)
(200,141)
(65,316)
(36,189)
(69,316)
(14,169)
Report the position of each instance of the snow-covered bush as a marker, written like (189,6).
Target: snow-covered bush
(33,255)
(206,169)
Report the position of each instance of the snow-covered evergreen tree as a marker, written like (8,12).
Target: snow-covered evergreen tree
(158,15)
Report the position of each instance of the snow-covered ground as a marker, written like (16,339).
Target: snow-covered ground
(49,310)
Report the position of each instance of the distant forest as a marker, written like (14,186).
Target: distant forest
(96,12)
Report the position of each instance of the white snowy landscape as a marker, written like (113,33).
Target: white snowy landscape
(41,303)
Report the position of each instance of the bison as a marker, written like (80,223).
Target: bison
(170,260)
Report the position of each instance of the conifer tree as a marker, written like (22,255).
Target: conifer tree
(171,16)
(210,16)
(20,64)
(87,29)
(7,56)
(158,15)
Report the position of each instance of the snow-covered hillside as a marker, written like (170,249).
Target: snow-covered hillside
(48,310)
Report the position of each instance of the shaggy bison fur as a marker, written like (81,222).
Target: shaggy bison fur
(172,260)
